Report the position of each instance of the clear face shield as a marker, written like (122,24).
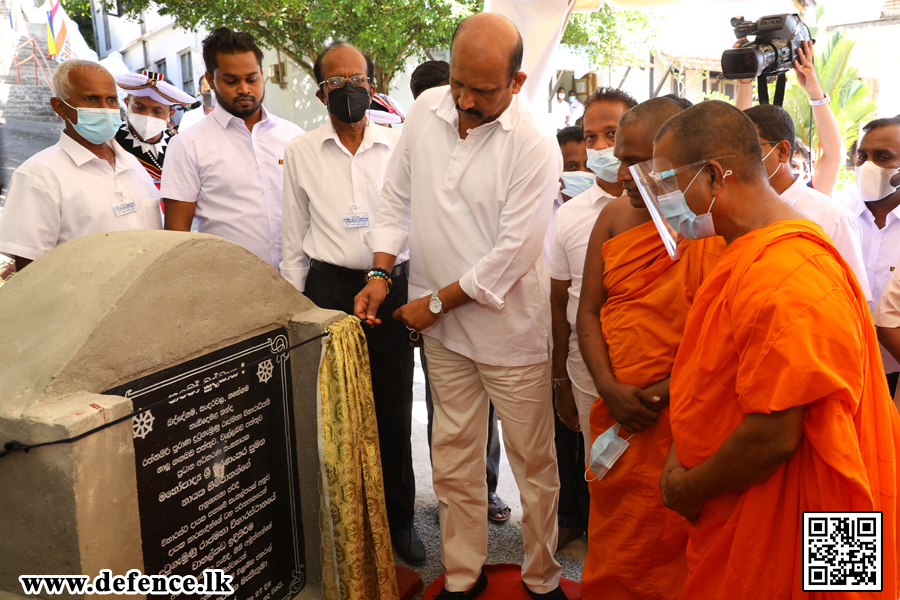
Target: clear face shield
(665,200)
(656,180)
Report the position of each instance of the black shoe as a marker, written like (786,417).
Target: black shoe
(479,587)
(408,546)
(556,594)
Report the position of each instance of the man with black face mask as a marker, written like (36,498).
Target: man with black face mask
(332,182)
(227,170)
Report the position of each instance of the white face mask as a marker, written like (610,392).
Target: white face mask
(561,96)
(146,127)
(874,182)
(605,451)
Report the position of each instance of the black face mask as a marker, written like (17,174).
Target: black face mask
(209,101)
(349,103)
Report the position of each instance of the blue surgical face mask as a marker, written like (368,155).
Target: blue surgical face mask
(577,182)
(605,451)
(679,215)
(96,125)
(604,164)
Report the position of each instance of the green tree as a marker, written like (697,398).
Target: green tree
(390,31)
(611,38)
(841,82)
(80,12)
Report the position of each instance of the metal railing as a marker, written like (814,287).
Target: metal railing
(36,53)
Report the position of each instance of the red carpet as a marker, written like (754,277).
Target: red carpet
(409,582)
(505,583)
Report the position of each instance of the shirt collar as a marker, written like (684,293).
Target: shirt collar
(858,207)
(445,108)
(373,134)
(81,155)
(223,117)
(595,193)
(796,191)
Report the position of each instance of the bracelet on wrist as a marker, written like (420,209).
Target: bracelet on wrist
(555,381)
(387,280)
(819,102)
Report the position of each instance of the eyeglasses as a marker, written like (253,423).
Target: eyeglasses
(336,82)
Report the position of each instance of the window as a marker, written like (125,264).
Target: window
(161,67)
(187,73)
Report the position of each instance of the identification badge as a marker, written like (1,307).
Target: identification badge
(125,206)
(356,219)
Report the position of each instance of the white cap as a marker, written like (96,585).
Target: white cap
(149,84)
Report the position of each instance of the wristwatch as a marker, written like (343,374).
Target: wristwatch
(435,305)
(824,100)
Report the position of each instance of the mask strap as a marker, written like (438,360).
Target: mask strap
(776,168)
(692,181)
(727,173)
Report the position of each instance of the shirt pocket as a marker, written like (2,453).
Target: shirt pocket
(151,215)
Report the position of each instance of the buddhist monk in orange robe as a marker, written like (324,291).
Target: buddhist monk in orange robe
(636,547)
(778,402)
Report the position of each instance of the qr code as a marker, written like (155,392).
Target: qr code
(841,551)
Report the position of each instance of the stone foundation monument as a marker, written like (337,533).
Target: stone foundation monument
(218,469)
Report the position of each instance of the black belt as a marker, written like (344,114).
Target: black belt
(354,274)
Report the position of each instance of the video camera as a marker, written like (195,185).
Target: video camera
(772,52)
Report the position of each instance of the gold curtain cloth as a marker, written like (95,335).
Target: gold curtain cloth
(357,560)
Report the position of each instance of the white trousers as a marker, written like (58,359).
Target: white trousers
(461,389)
(584,402)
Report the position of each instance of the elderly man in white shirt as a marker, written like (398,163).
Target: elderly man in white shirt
(470,188)
(877,207)
(333,177)
(85,183)
(227,170)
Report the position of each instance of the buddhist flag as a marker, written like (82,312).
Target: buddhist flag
(57,38)
(13,15)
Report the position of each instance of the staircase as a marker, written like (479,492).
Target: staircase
(25,101)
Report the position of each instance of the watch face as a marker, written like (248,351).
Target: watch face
(435,305)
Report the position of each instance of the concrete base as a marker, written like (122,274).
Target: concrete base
(101,311)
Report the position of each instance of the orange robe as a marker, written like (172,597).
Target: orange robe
(636,547)
(781,322)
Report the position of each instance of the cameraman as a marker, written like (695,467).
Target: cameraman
(830,161)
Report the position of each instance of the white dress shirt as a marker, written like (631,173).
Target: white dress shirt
(191,118)
(839,223)
(475,211)
(576,109)
(881,252)
(571,232)
(560,111)
(548,237)
(66,191)
(235,177)
(323,183)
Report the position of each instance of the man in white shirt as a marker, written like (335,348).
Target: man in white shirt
(559,109)
(469,190)
(776,136)
(573,386)
(86,183)
(227,170)
(208,103)
(877,206)
(576,108)
(333,177)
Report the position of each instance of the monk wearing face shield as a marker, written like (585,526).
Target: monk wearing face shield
(779,404)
